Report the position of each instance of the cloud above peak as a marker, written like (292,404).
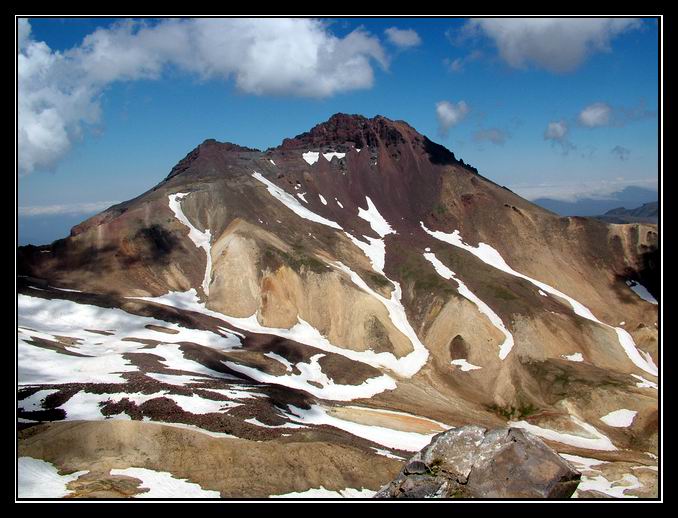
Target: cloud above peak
(403,38)
(596,114)
(450,114)
(59,93)
(559,45)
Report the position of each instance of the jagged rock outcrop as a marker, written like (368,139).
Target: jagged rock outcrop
(474,462)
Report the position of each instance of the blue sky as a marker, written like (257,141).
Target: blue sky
(562,108)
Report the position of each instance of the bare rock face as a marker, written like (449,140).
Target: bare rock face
(474,462)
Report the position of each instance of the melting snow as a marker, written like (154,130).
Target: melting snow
(291,203)
(200,239)
(641,291)
(271,161)
(576,357)
(40,479)
(464,365)
(339,203)
(374,249)
(375,219)
(463,290)
(490,256)
(162,484)
(622,418)
(311,157)
(301,195)
(34,401)
(644,383)
(615,489)
(322,199)
(542,293)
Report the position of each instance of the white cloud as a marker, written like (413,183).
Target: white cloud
(450,114)
(558,45)
(59,92)
(73,208)
(595,189)
(496,136)
(596,114)
(556,132)
(458,64)
(403,38)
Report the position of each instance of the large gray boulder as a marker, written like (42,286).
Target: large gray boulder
(474,462)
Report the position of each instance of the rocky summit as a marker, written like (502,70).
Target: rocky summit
(299,321)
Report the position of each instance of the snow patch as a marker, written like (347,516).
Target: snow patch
(339,203)
(594,439)
(311,157)
(37,478)
(622,418)
(576,357)
(322,199)
(162,484)
(329,156)
(375,219)
(641,291)
(464,365)
(321,492)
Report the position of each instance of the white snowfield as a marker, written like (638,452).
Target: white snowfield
(34,401)
(291,203)
(397,439)
(321,492)
(103,361)
(375,219)
(200,239)
(40,479)
(311,157)
(622,418)
(446,273)
(592,440)
(162,484)
(374,249)
(641,291)
(643,383)
(490,256)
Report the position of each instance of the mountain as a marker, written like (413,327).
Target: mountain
(307,316)
(646,213)
(627,197)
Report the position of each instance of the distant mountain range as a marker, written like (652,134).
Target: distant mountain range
(628,197)
(646,213)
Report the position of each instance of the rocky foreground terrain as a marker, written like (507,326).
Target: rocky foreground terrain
(300,321)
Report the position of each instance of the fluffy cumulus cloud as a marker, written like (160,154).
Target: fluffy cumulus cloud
(403,38)
(558,45)
(596,114)
(450,114)
(494,135)
(621,152)
(59,92)
(556,132)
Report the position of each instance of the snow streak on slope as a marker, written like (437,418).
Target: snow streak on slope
(291,203)
(200,239)
(321,492)
(463,290)
(375,219)
(490,256)
(328,156)
(398,439)
(641,291)
(592,440)
(374,249)
(161,484)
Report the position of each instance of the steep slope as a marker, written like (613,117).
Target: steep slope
(364,283)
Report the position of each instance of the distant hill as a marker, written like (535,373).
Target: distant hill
(646,213)
(628,197)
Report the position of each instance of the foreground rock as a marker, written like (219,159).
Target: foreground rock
(474,462)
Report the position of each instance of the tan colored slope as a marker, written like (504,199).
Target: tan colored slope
(236,468)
